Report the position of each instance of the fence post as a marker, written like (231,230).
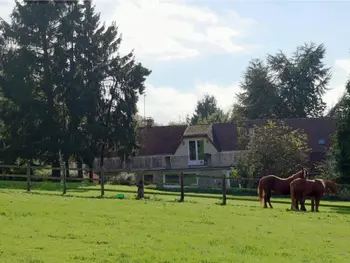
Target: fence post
(28,177)
(182,197)
(102,181)
(64,176)
(224,190)
(140,186)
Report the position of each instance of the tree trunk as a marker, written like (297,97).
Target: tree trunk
(101,164)
(55,164)
(91,172)
(66,164)
(80,166)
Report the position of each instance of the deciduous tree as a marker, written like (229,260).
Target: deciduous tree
(276,149)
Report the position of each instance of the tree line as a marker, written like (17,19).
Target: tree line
(284,87)
(66,92)
(279,87)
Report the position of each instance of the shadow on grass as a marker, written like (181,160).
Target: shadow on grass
(340,210)
(43,185)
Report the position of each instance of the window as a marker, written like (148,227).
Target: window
(190,179)
(321,141)
(251,131)
(172,179)
(200,150)
(192,150)
(196,150)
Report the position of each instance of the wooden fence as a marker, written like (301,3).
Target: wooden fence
(102,177)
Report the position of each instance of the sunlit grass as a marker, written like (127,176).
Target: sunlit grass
(47,227)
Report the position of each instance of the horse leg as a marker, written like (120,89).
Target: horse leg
(269,198)
(297,201)
(265,201)
(302,204)
(317,202)
(312,205)
(294,205)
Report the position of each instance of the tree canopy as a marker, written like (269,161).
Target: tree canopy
(274,148)
(66,91)
(341,147)
(285,87)
(207,112)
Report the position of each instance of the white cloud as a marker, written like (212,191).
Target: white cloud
(170,29)
(340,75)
(166,104)
(174,29)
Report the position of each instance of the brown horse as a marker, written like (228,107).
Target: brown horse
(273,183)
(302,188)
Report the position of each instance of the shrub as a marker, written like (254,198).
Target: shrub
(123,179)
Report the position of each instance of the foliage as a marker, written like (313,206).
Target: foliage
(275,149)
(328,167)
(123,179)
(336,110)
(65,90)
(302,81)
(286,87)
(217,117)
(342,138)
(259,96)
(208,112)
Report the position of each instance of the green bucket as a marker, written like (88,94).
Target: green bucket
(120,196)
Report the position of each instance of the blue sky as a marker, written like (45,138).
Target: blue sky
(201,46)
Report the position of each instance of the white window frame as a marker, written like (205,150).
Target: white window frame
(194,162)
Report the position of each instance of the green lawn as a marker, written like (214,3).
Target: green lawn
(46,227)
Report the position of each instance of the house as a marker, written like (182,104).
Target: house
(210,150)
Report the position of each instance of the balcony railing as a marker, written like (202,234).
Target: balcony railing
(165,162)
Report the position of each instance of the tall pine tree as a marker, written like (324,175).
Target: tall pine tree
(341,148)
(258,99)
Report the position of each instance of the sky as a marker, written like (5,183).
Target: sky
(195,47)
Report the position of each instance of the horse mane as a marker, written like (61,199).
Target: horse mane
(294,175)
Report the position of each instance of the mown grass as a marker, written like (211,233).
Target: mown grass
(45,226)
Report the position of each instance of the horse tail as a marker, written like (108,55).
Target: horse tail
(292,194)
(260,191)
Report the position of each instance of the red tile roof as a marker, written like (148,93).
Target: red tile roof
(315,128)
(163,140)
(160,140)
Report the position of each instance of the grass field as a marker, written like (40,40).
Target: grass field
(46,227)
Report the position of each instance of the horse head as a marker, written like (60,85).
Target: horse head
(332,186)
(303,173)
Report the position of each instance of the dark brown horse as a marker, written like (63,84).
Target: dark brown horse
(273,183)
(301,188)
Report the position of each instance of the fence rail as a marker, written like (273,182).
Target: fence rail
(107,174)
(171,161)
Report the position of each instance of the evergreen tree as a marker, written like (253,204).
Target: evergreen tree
(301,80)
(259,99)
(285,87)
(66,90)
(29,69)
(208,112)
(341,146)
